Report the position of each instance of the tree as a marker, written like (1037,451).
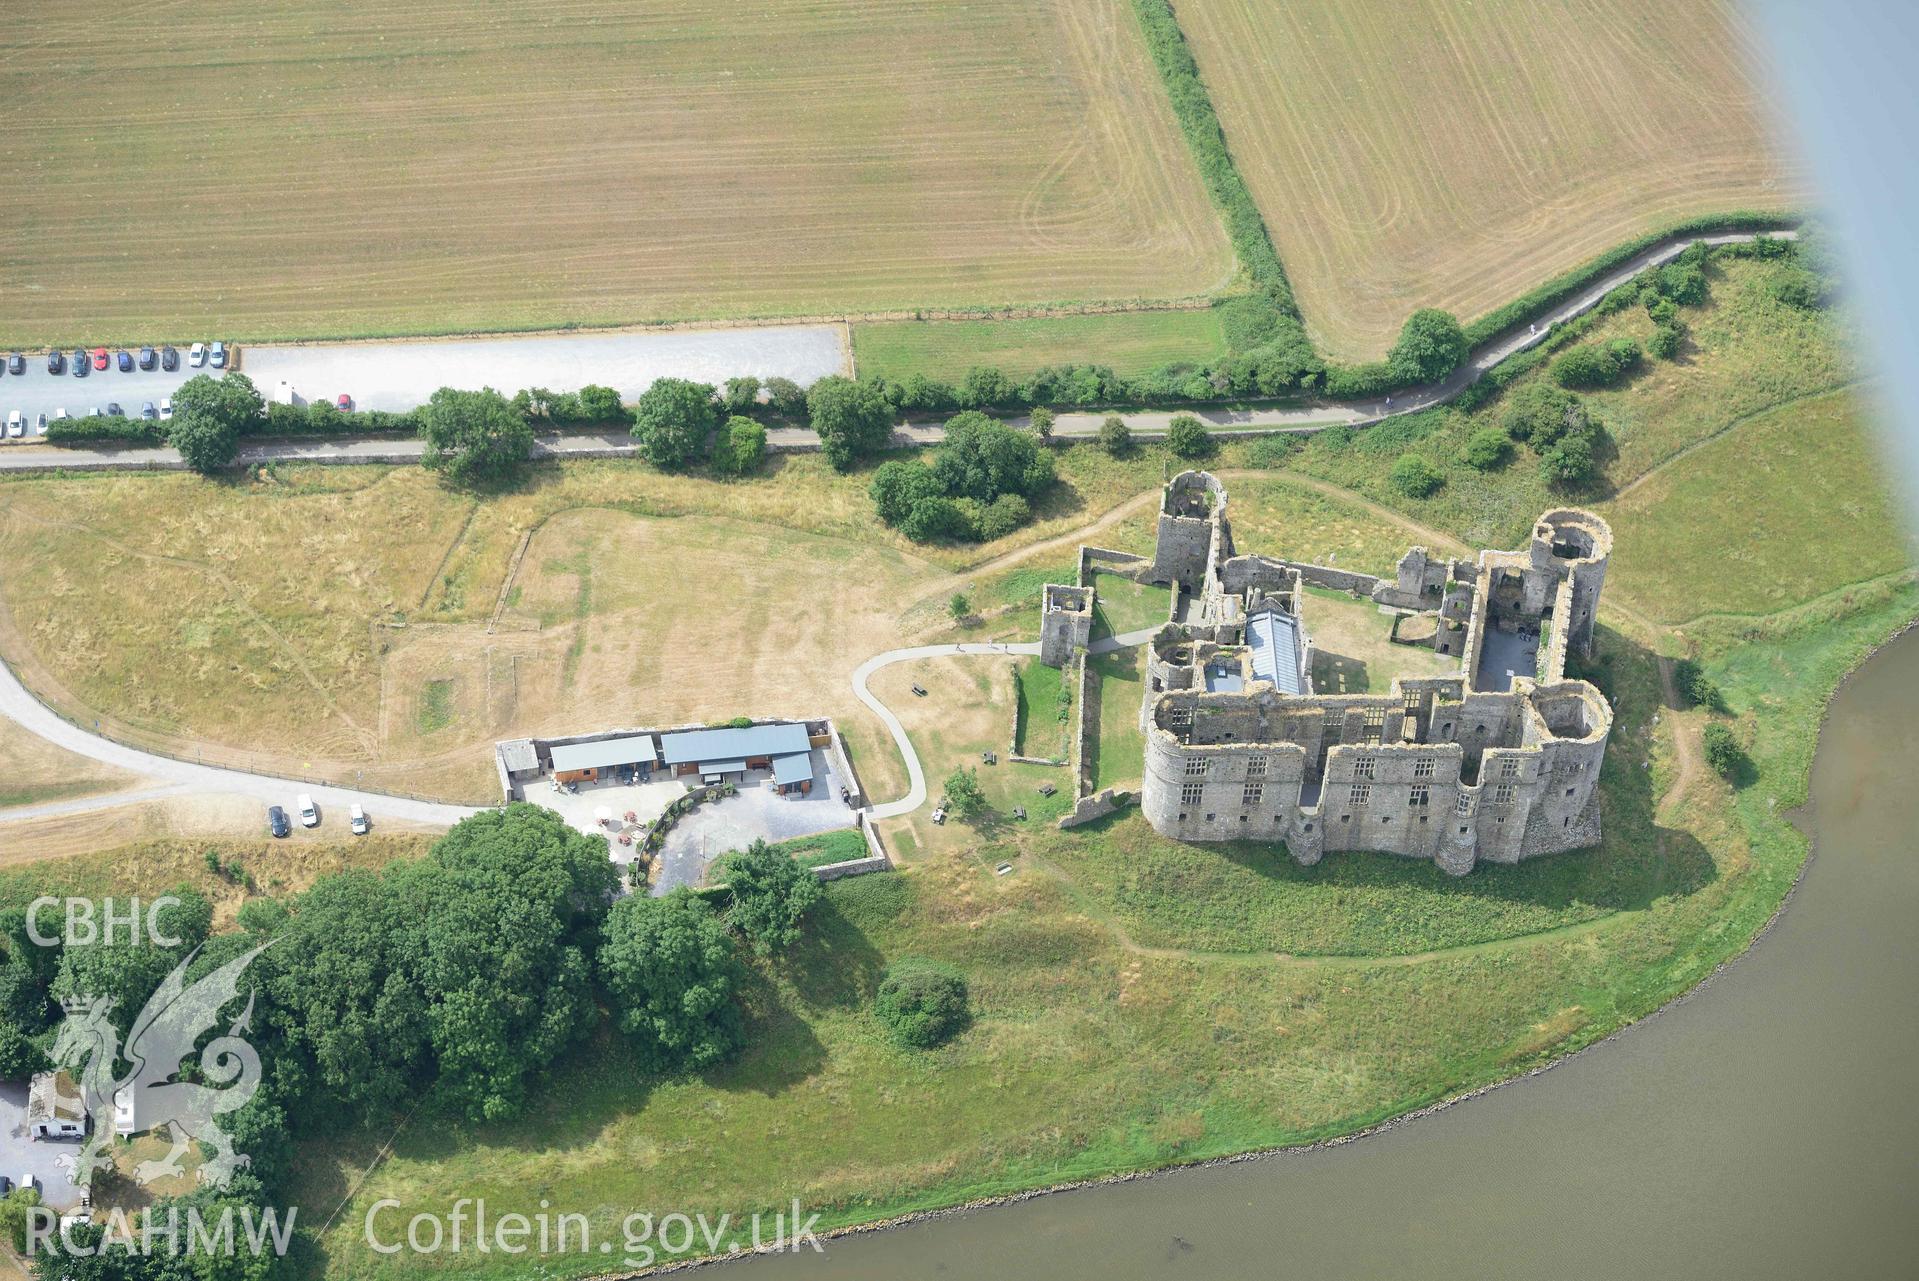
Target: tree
(1540,413)
(922,394)
(1187,437)
(20,1056)
(1042,420)
(1487,449)
(1002,516)
(673,979)
(1798,287)
(1430,346)
(673,420)
(742,395)
(785,397)
(600,405)
(209,417)
(1115,437)
(963,794)
(959,607)
(771,894)
(14,1216)
(742,446)
(1666,340)
(982,459)
(936,518)
(1571,461)
(473,436)
(1723,752)
(1697,688)
(128,970)
(1595,366)
(985,387)
(898,487)
(920,1002)
(852,419)
(1414,477)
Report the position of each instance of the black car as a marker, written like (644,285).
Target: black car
(56,362)
(277,821)
(114,410)
(82,364)
(126,362)
(16,364)
(169,359)
(148,357)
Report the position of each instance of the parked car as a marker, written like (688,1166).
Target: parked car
(6,1185)
(95,412)
(99,357)
(277,821)
(148,411)
(309,816)
(356,820)
(219,355)
(56,362)
(14,421)
(169,359)
(166,409)
(149,358)
(82,364)
(126,362)
(197,355)
(17,365)
(114,410)
(40,423)
(345,403)
(61,412)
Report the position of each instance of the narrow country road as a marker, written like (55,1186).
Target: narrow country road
(1074,425)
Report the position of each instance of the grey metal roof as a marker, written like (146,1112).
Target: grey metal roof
(1274,639)
(731,744)
(722,767)
(796,768)
(519,754)
(631,750)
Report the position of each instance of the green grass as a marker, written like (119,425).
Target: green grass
(809,851)
(1121,605)
(1121,746)
(436,706)
(1045,707)
(1783,508)
(1131,342)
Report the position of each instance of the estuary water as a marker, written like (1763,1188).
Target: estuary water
(1764,1128)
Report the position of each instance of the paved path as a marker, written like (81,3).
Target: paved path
(176,777)
(915,774)
(28,456)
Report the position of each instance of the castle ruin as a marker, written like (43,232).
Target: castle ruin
(1499,762)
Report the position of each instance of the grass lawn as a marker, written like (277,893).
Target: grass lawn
(808,851)
(1782,508)
(1045,710)
(632,162)
(1122,747)
(1121,605)
(1131,342)
(1353,650)
(1355,125)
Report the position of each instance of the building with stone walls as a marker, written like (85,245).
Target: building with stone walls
(1499,762)
(1065,622)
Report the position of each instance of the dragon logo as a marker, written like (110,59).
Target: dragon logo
(147,1098)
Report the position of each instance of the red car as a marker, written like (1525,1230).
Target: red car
(99,357)
(346,403)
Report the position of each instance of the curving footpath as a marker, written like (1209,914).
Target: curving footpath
(915,773)
(1072,425)
(179,777)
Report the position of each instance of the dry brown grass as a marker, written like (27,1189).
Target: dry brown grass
(1412,153)
(34,771)
(333,168)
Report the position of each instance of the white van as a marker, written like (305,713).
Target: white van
(309,816)
(16,423)
(356,820)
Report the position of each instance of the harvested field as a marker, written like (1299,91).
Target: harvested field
(1131,342)
(261,170)
(1417,153)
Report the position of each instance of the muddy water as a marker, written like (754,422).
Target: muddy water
(1764,1128)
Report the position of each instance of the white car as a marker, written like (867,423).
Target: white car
(197,355)
(16,423)
(309,816)
(166,409)
(61,412)
(356,820)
